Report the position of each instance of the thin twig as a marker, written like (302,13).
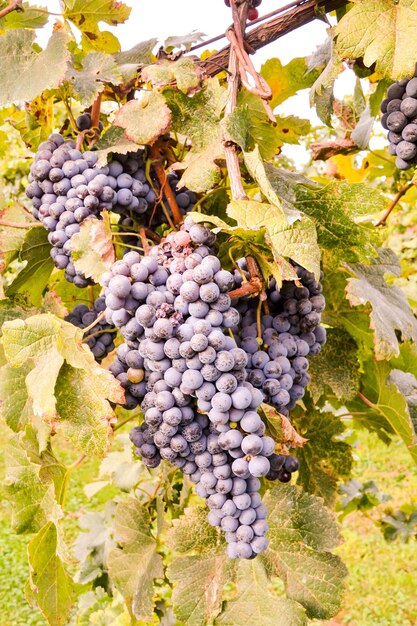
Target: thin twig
(96,321)
(95,111)
(165,186)
(400,194)
(365,400)
(15,5)
(123,422)
(254,285)
(144,241)
(20,225)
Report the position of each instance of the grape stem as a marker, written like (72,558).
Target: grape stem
(95,111)
(387,213)
(165,186)
(15,5)
(20,225)
(145,244)
(254,285)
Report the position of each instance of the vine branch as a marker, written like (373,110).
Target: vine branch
(400,194)
(165,186)
(15,5)
(295,16)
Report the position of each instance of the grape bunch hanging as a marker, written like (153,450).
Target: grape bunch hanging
(67,188)
(399,117)
(198,362)
(188,360)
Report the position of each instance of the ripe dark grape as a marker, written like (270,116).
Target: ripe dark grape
(399,114)
(100,338)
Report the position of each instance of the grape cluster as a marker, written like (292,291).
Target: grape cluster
(84,122)
(136,200)
(172,308)
(66,188)
(290,332)
(399,117)
(60,180)
(101,336)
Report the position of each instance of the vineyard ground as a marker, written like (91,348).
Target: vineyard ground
(381,587)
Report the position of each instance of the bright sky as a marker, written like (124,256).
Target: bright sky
(162,18)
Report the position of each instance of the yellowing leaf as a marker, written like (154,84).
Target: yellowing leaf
(92,248)
(286,80)
(146,119)
(382,32)
(26,73)
(76,392)
(50,584)
(183,73)
(296,241)
(135,564)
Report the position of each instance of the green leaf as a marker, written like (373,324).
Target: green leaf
(135,564)
(183,41)
(324,459)
(98,68)
(336,367)
(146,119)
(114,141)
(84,410)
(33,278)
(11,239)
(259,170)
(92,248)
(249,126)
(381,32)
(386,404)
(286,80)
(51,586)
(30,17)
(183,72)
(76,386)
(138,55)
(255,604)
(301,533)
(37,71)
(337,210)
(406,384)
(407,359)
(321,93)
(86,15)
(16,407)
(199,570)
(296,241)
(31,496)
(198,118)
(390,309)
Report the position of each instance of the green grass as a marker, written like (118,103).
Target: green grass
(382,586)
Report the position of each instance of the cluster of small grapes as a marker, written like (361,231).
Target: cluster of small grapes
(399,117)
(66,188)
(290,332)
(101,336)
(60,180)
(253,12)
(136,198)
(172,307)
